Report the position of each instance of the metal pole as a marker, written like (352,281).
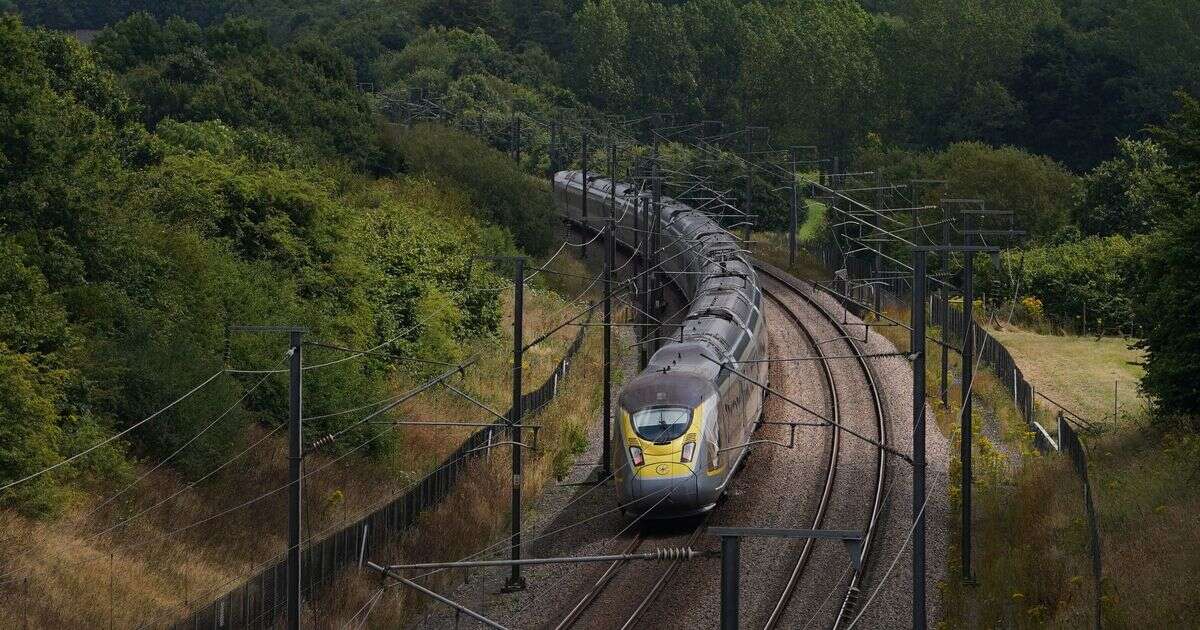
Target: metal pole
(944,291)
(295,459)
(794,210)
(968,365)
(552,150)
(515,581)
(584,202)
(656,284)
(749,182)
(609,255)
(877,263)
(918,496)
(643,283)
(730,548)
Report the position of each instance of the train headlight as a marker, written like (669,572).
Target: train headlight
(635,454)
(689,450)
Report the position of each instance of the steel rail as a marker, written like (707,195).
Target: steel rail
(850,599)
(601,584)
(661,584)
(835,439)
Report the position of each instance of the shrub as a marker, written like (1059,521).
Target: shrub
(1063,280)
(1128,194)
(1169,314)
(500,192)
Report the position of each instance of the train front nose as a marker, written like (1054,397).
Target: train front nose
(664,489)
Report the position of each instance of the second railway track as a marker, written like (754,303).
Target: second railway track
(582,614)
(782,284)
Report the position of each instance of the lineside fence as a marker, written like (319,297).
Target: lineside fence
(892,289)
(260,601)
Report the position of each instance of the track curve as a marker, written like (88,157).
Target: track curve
(850,599)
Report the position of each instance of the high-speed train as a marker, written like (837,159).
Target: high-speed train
(683,423)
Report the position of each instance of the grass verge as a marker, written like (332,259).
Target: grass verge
(1031,541)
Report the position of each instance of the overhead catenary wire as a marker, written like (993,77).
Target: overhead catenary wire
(114,437)
(236,404)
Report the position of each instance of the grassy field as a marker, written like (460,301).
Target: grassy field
(1079,372)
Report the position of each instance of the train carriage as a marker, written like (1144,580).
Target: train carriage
(683,422)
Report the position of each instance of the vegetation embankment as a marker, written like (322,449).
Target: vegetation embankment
(133,241)
(1032,562)
(1031,534)
(474,520)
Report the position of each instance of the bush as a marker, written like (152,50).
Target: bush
(1062,281)
(1129,194)
(1037,189)
(1167,296)
(125,256)
(500,192)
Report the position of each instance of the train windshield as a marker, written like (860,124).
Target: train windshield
(662,424)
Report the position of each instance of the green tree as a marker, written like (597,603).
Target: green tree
(1038,190)
(1071,88)
(1180,136)
(1129,194)
(960,54)
(29,433)
(711,27)
(503,195)
(811,52)
(1167,298)
(599,67)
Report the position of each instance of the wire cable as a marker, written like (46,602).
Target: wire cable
(112,438)
(236,404)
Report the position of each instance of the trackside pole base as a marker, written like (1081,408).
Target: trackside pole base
(514,585)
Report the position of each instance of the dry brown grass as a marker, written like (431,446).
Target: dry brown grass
(1032,560)
(476,515)
(55,576)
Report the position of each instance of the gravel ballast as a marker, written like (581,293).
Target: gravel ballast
(777,487)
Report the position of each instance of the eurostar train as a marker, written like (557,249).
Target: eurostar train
(683,422)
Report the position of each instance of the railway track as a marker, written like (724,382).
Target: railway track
(578,614)
(850,598)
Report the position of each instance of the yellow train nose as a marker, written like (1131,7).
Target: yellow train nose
(664,470)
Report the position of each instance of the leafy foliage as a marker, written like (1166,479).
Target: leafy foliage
(500,192)
(306,91)
(125,255)
(1129,194)
(1069,279)
(1168,309)
(1038,190)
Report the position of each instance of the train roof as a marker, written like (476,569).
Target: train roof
(726,299)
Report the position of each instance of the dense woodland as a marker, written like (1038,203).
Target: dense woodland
(205,163)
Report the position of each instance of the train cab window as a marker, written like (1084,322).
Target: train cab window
(662,424)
